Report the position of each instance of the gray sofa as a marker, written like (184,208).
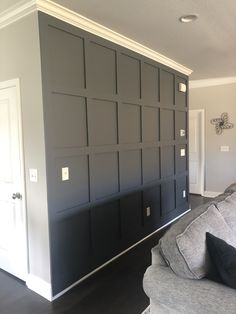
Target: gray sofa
(176,281)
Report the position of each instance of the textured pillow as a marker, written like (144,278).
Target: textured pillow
(168,246)
(227,208)
(192,242)
(223,257)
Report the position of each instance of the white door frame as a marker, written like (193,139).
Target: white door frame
(202,144)
(8,84)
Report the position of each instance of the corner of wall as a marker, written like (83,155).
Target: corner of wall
(39,286)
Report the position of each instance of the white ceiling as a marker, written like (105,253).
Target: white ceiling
(207,46)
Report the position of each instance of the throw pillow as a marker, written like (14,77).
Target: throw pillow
(223,256)
(192,242)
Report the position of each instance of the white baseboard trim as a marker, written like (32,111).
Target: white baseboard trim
(111,260)
(211,193)
(147,310)
(39,286)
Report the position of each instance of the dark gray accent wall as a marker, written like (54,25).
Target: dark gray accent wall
(114,118)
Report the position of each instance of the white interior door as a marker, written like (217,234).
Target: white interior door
(196,151)
(13,243)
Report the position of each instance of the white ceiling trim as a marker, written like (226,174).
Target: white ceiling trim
(212,82)
(49,7)
(16,12)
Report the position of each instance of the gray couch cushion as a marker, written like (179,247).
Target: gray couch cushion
(168,245)
(172,294)
(227,208)
(192,242)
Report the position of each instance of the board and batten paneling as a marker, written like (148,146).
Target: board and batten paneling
(114,118)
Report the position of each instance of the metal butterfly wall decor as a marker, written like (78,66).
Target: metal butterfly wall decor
(222,123)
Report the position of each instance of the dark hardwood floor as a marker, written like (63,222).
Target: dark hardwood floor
(196,200)
(116,289)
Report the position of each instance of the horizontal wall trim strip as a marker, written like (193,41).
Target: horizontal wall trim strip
(212,82)
(120,194)
(85,93)
(114,258)
(49,7)
(60,152)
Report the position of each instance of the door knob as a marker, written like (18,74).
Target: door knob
(16,195)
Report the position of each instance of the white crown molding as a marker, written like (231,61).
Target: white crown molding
(49,7)
(212,82)
(16,12)
(39,286)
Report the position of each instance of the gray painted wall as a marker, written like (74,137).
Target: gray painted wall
(20,58)
(220,166)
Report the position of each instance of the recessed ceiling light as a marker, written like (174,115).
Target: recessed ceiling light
(188,18)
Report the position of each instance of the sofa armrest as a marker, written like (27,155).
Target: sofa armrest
(181,295)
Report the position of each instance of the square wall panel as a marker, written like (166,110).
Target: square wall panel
(75,191)
(101,73)
(105,231)
(181,161)
(63,232)
(167,88)
(150,120)
(166,125)
(68,121)
(180,97)
(129,124)
(150,83)
(66,55)
(128,77)
(130,169)
(104,175)
(181,192)
(151,167)
(131,215)
(167,197)
(102,122)
(167,161)
(180,125)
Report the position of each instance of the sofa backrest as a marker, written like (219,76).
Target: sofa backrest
(183,245)
(231,189)
(227,208)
